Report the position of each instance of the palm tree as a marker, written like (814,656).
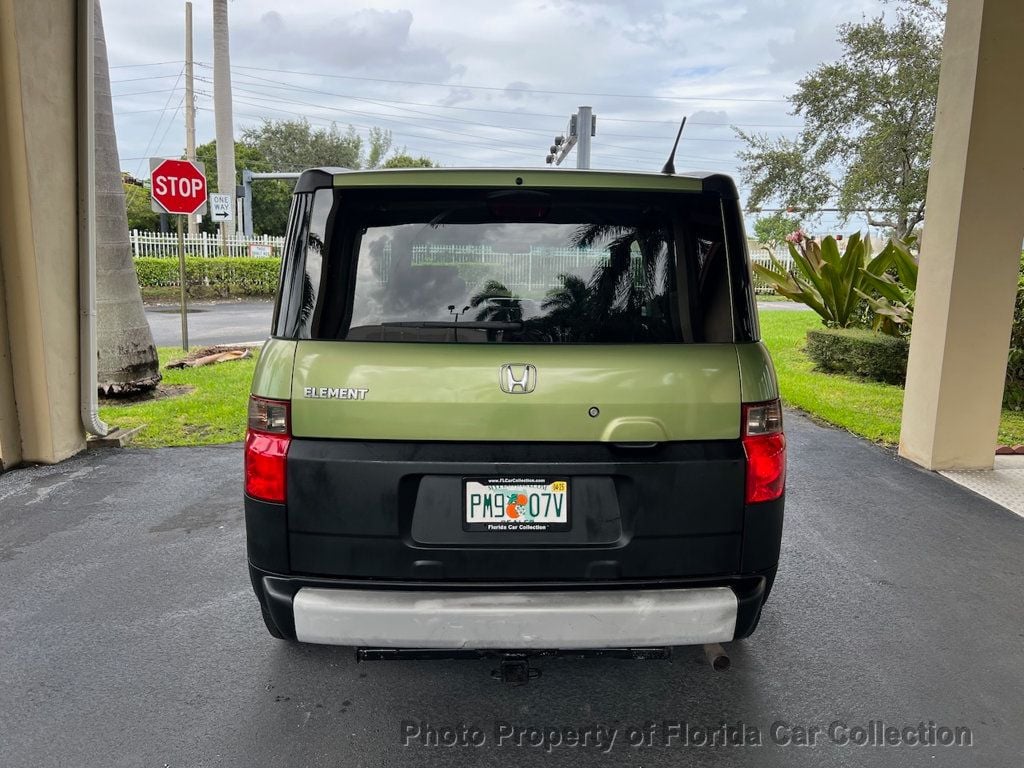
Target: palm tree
(571,299)
(127,357)
(570,309)
(497,303)
(615,285)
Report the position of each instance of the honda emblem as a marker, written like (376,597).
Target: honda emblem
(517,378)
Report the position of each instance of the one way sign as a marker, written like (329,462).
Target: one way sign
(221,208)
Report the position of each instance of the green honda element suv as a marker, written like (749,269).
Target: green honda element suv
(514,410)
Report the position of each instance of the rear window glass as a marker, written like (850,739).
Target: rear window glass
(490,266)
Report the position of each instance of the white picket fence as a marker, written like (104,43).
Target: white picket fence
(759,256)
(162,244)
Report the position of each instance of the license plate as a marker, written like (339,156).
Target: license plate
(515,504)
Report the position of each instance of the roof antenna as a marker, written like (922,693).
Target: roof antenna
(670,164)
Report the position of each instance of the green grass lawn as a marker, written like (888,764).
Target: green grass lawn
(866,408)
(215,412)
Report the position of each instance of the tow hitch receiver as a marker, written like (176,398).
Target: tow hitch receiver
(513,666)
(515,669)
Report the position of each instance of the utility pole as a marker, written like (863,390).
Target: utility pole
(584,130)
(222,109)
(582,126)
(190,105)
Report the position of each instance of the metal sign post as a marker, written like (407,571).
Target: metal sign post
(183,304)
(178,187)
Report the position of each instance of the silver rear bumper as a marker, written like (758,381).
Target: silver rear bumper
(515,620)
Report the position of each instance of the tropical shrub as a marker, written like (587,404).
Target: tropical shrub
(859,352)
(1013,391)
(824,279)
(891,298)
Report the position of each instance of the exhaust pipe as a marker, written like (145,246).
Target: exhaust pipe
(716,656)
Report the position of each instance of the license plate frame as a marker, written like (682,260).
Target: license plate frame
(547,507)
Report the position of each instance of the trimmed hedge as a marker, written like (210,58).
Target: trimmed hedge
(235,276)
(861,353)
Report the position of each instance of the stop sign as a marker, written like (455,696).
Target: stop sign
(178,186)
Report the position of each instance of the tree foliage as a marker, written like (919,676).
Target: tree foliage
(771,230)
(246,157)
(380,144)
(294,145)
(865,145)
(288,146)
(141,215)
(271,199)
(405,160)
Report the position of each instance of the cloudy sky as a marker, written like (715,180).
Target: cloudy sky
(482,83)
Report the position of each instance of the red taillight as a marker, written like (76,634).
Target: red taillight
(765,446)
(266,449)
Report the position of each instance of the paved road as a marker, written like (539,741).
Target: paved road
(228,322)
(782,306)
(236,321)
(130,637)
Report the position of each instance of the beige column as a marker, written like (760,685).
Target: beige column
(10,428)
(38,232)
(972,241)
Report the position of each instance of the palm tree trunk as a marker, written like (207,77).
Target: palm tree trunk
(127,355)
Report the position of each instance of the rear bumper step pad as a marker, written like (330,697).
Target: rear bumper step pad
(527,620)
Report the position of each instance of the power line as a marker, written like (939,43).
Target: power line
(699,122)
(134,189)
(136,79)
(488,144)
(386,117)
(151,64)
(118,113)
(160,119)
(649,136)
(512,90)
(138,168)
(170,124)
(267,83)
(143,93)
(381,103)
(519,113)
(410,133)
(323,121)
(260,96)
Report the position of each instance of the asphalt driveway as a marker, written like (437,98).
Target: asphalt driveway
(232,322)
(211,322)
(129,637)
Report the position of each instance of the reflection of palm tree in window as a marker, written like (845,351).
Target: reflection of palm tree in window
(497,303)
(315,245)
(607,279)
(619,292)
(569,309)
(614,283)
